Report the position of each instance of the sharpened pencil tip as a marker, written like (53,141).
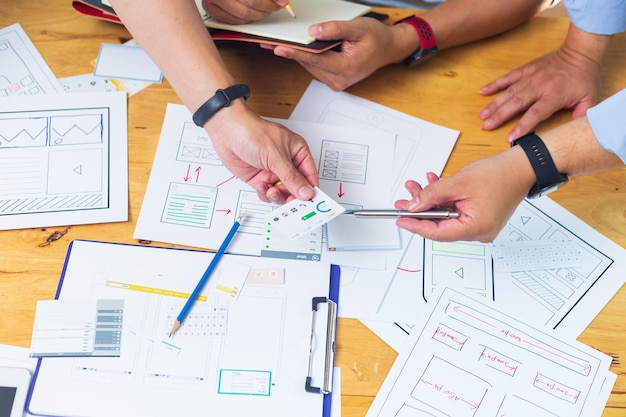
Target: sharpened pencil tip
(290,10)
(174,328)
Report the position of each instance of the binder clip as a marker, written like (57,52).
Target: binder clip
(322,356)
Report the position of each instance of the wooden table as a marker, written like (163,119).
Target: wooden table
(444,91)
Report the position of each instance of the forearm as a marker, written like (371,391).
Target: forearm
(580,46)
(173,34)
(456,22)
(576,151)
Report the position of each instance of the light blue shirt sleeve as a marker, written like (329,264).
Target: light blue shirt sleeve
(602,17)
(607,123)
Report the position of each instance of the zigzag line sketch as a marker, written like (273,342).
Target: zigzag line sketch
(23,132)
(76,129)
(54,130)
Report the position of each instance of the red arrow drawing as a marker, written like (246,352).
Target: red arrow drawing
(225,181)
(585,367)
(409,270)
(187,176)
(340,190)
(198,173)
(227,211)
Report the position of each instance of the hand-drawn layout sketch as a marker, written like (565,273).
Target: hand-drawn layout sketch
(63,160)
(548,296)
(22,69)
(466,359)
(193,199)
(467,263)
(419,146)
(242,355)
(564,299)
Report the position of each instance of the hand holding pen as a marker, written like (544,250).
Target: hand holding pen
(485,193)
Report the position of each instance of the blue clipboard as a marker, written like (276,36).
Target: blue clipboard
(333,297)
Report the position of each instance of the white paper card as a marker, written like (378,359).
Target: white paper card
(126,62)
(77,328)
(298,217)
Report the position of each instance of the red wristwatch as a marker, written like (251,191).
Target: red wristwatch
(428,44)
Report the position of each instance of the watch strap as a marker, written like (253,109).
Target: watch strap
(221,99)
(428,43)
(541,161)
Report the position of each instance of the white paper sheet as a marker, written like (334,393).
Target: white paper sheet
(22,69)
(64,160)
(565,299)
(126,62)
(465,358)
(419,147)
(192,198)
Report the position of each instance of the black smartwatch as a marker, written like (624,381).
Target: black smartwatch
(548,177)
(221,99)
(428,44)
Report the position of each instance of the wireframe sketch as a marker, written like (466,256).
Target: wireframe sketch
(53,160)
(196,147)
(22,70)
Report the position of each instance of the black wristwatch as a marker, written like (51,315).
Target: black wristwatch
(428,44)
(548,177)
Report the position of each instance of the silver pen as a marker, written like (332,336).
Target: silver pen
(391,213)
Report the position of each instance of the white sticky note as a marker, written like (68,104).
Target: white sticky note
(298,217)
(126,62)
(231,279)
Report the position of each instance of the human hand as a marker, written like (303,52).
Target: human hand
(568,78)
(485,193)
(262,153)
(237,12)
(367,45)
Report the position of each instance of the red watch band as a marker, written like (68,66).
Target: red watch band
(423,29)
(428,44)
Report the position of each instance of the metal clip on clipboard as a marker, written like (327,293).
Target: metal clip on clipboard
(322,330)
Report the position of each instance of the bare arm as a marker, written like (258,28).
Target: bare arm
(258,152)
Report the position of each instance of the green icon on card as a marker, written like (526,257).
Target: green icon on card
(308,216)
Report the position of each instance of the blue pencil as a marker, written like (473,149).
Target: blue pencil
(207,274)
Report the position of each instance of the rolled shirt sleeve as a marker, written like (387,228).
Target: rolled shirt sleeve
(602,17)
(607,123)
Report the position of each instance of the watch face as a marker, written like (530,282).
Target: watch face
(419,56)
(538,191)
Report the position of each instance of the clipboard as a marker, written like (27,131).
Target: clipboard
(71,386)
(322,346)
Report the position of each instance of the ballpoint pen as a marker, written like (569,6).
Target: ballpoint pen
(290,10)
(207,274)
(432,214)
